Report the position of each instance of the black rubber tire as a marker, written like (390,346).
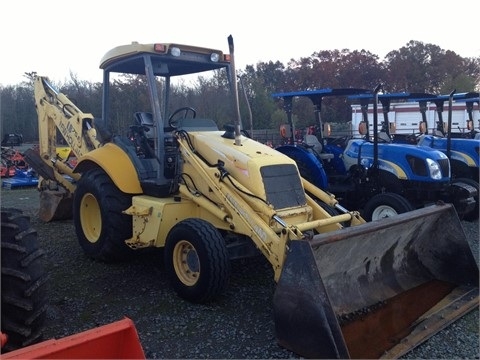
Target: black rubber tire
(196,261)
(24,282)
(329,209)
(100,225)
(388,204)
(332,212)
(474,214)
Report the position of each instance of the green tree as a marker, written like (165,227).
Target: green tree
(359,69)
(415,67)
(17,111)
(260,82)
(419,67)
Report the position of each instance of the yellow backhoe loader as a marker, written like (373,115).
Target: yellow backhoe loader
(345,287)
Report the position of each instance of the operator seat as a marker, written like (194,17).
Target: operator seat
(382,135)
(438,133)
(313,143)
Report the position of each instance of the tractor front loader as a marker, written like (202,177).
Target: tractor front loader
(207,196)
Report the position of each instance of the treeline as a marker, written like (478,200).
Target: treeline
(416,67)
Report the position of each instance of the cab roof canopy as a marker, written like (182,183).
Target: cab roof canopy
(166,59)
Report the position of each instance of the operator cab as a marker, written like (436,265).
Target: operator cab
(145,119)
(152,144)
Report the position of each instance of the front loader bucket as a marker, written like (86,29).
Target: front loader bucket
(376,290)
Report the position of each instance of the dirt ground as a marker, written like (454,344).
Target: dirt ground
(85,294)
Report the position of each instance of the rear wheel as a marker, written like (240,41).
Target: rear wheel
(332,211)
(100,226)
(24,296)
(474,214)
(196,260)
(385,205)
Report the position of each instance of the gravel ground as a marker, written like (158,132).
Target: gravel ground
(85,294)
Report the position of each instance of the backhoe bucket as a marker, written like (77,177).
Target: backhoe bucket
(55,205)
(376,290)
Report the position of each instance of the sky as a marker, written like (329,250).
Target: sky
(57,38)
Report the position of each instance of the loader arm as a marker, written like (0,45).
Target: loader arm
(237,211)
(329,276)
(242,212)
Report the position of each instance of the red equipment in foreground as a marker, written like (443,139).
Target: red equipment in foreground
(118,340)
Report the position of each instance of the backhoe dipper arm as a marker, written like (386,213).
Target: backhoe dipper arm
(56,111)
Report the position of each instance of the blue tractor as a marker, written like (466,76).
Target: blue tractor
(462,149)
(371,174)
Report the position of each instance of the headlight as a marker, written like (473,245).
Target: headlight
(214,57)
(175,51)
(434,169)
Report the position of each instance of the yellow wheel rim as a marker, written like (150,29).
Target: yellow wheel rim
(90,218)
(186,263)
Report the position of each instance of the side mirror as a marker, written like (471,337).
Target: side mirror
(362,128)
(327,130)
(445,128)
(392,128)
(470,125)
(285,131)
(422,127)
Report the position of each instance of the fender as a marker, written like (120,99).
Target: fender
(121,171)
(309,166)
(463,158)
(463,150)
(392,168)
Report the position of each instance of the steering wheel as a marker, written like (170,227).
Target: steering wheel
(413,138)
(339,141)
(173,119)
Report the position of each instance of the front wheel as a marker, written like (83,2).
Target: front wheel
(196,260)
(100,226)
(386,205)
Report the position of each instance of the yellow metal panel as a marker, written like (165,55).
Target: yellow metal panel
(116,163)
(243,163)
(63,152)
(153,218)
